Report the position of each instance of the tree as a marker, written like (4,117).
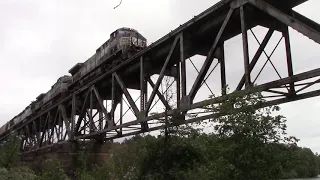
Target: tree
(172,154)
(304,162)
(52,169)
(9,151)
(248,134)
(18,173)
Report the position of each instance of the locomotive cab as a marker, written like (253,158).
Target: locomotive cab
(123,39)
(128,37)
(113,34)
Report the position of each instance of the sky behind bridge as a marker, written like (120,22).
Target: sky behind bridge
(41,40)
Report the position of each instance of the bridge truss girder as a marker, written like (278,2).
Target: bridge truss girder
(83,115)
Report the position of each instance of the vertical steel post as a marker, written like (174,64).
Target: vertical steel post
(73,114)
(145,93)
(100,118)
(90,112)
(60,126)
(183,68)
(142,84)
(245,47)
(121,113)
(285,34)
(106,118)
(177,78)
(222,71)
(113,98)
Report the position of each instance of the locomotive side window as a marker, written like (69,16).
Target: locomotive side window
(113,35)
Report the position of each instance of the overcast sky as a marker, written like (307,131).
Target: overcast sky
(41,40)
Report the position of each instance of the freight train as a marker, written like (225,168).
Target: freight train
(123,41)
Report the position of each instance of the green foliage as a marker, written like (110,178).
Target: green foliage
(125,159)
(52,170)
(9,152)
(169,160)
(17,173)
(243,116)
(318,161)
(251,143)
(303,163)
(248,142)
(248,137)
(82,171)
(84,175)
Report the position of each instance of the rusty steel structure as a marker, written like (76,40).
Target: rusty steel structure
(83,114)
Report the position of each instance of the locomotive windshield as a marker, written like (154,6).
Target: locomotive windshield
(128,37)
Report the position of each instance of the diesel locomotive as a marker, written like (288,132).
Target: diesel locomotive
(123,42)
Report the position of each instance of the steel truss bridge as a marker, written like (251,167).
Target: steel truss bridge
(85,114)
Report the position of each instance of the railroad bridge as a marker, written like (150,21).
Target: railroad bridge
(84,115)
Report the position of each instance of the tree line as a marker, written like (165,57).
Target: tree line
(246,142)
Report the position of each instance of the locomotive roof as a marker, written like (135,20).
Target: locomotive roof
(130,29)
(40,96)
(75,68)
(126,28)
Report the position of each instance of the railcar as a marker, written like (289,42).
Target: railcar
(58,89)
(17,119)
(38,102)
(25,113)
(122,41)
(45,98)
(4,128)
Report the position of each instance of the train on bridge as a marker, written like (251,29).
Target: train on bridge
(123,43)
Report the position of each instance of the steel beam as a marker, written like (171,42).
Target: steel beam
(263,87)
(245,47)
(178,84)
(153,93)
(287,19)
(161,97)
(127,94)
(256,57)
(143,84)
(285,34)
(209,59)
(109,121)
(83,111)
(183,68)
(223,71)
